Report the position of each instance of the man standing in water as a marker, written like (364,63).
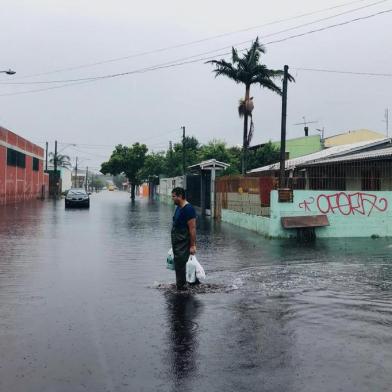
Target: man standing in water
(183,235)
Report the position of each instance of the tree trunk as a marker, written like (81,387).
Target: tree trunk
(245,136)
(133,191)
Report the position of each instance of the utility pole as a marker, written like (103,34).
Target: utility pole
(55,156)
(55,169)
(76,173)
(86,184)
(322,133)
(386,120)
(283,128)
(46,156)
(183,150)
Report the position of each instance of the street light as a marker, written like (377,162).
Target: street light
(321,130)
(9,72)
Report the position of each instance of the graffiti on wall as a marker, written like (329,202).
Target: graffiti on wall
(345,203)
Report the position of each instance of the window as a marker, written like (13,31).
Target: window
(35,164)
(21,159)
(11,157)
(15,158)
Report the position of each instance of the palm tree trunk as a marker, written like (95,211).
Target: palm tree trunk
(245,136)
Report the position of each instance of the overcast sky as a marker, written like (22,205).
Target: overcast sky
(53,35)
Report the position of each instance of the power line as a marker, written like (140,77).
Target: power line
(331,26)
(344,72)
(93,78)
(173,64)
(190,43)
(89,153)
(87,145)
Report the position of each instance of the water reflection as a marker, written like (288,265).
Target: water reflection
(183,311)
(274,315)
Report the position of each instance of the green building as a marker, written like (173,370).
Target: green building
(299,146)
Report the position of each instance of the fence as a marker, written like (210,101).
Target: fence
(166,186)
(250,195)
(365,174)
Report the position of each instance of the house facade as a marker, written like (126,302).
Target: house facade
(343,191)
(22,174)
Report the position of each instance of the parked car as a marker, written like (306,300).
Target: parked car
(77,197)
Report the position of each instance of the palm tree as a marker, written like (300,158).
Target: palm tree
(248,70)
(62,160)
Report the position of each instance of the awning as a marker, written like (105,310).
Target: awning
(211,164)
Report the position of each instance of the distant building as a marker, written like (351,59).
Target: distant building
(78,178)
(65,177)
(355,136)
(298,147)
(306,145)
(22,174)
(295,167)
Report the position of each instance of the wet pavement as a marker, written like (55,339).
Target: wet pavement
(86,305)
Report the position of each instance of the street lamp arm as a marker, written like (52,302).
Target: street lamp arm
(9,72)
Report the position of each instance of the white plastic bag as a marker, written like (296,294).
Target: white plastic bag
(200,274)
(170,260)
(191,269)
(194,270)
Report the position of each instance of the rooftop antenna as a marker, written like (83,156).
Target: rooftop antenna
(305,124)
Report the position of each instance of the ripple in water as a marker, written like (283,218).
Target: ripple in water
(203,288)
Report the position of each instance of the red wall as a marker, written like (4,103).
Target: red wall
(19,184)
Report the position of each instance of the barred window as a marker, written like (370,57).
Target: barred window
(16,158)
(35,164)
(21,159)
(11,157)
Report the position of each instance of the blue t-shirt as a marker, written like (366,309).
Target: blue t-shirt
(183,215)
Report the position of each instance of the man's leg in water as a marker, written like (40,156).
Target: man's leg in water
(180,275)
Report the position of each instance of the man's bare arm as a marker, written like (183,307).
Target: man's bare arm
(192,233)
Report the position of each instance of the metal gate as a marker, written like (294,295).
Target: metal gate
(206,178)
(193,189)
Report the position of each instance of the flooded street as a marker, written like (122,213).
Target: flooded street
(82,307)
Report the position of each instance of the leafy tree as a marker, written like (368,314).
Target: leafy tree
(62,160)
(154,166)
(264,155)
(217,149)
(248,70)
(127,160)
(174,157)
(96,182)
(119,180)
(235,162)
(172,167)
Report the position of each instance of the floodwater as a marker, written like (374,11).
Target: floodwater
(86,305)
